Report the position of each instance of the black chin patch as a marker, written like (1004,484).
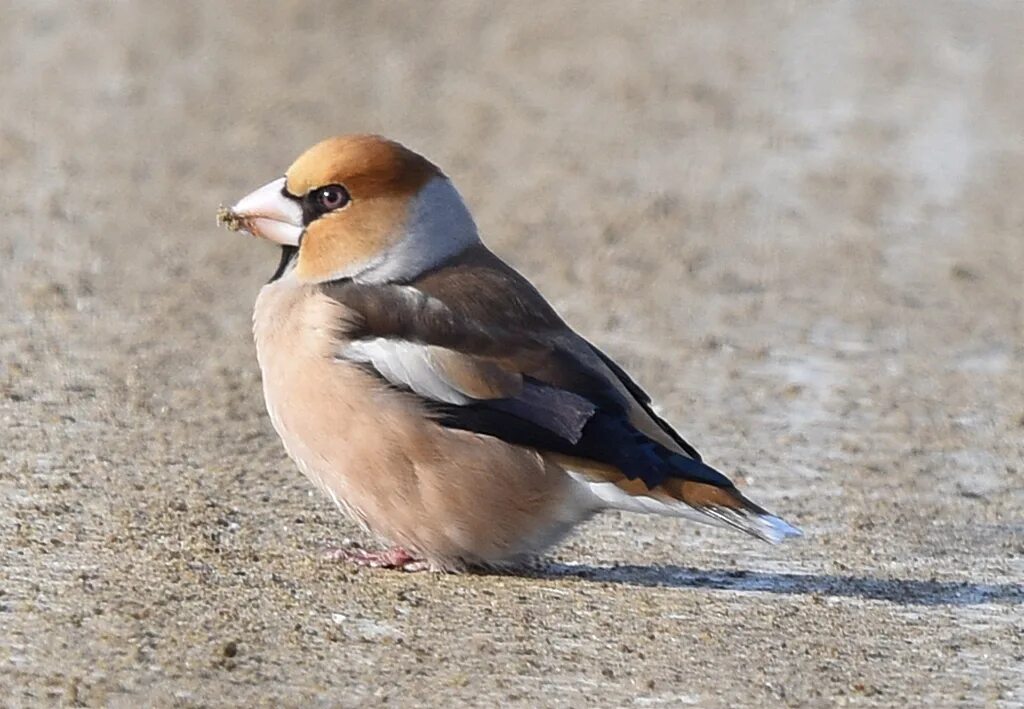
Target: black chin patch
(287,256)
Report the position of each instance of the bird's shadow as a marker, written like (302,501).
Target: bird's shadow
(899,591)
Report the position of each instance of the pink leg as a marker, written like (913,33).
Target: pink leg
(393,558)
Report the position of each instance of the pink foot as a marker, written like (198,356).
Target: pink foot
(394,558)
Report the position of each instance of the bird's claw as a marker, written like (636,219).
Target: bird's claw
(393,558)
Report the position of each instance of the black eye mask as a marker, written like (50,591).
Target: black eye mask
(322,200)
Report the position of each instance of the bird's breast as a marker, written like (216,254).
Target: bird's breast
(327,412)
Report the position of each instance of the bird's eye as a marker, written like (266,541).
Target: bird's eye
(332,197)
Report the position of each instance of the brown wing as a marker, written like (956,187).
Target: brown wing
(479,285)
(416,341)
(474,330)
(487,354)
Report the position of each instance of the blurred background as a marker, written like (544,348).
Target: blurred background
(800,225)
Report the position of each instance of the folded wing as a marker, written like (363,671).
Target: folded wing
(487,354)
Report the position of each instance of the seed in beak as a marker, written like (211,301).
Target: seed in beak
(227,217)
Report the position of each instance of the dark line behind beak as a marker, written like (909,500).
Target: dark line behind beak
(287,256)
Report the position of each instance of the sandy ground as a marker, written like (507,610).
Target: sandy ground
(802,227)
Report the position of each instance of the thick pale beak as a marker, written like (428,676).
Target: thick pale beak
(269,214)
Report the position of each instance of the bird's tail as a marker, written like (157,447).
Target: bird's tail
(727,506)
(626,470)
(710,499)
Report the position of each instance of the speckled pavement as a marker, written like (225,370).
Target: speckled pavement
(801,226)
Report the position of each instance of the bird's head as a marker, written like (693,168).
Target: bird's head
(360,207)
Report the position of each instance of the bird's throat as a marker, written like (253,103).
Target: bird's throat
(288,254)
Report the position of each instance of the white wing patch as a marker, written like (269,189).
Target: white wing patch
(406,364)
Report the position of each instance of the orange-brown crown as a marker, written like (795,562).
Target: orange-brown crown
(369,166)
(381,176)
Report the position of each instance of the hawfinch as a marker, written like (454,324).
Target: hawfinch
(431,391)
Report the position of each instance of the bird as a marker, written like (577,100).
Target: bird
(431,391)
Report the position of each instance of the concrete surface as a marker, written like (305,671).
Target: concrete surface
(800,225)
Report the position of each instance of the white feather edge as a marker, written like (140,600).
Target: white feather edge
(405,363)
(765,526)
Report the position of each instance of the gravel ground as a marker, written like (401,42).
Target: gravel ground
(800,226)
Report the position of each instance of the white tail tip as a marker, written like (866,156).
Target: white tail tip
(775,529)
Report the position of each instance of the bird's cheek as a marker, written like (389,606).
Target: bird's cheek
(344,244)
